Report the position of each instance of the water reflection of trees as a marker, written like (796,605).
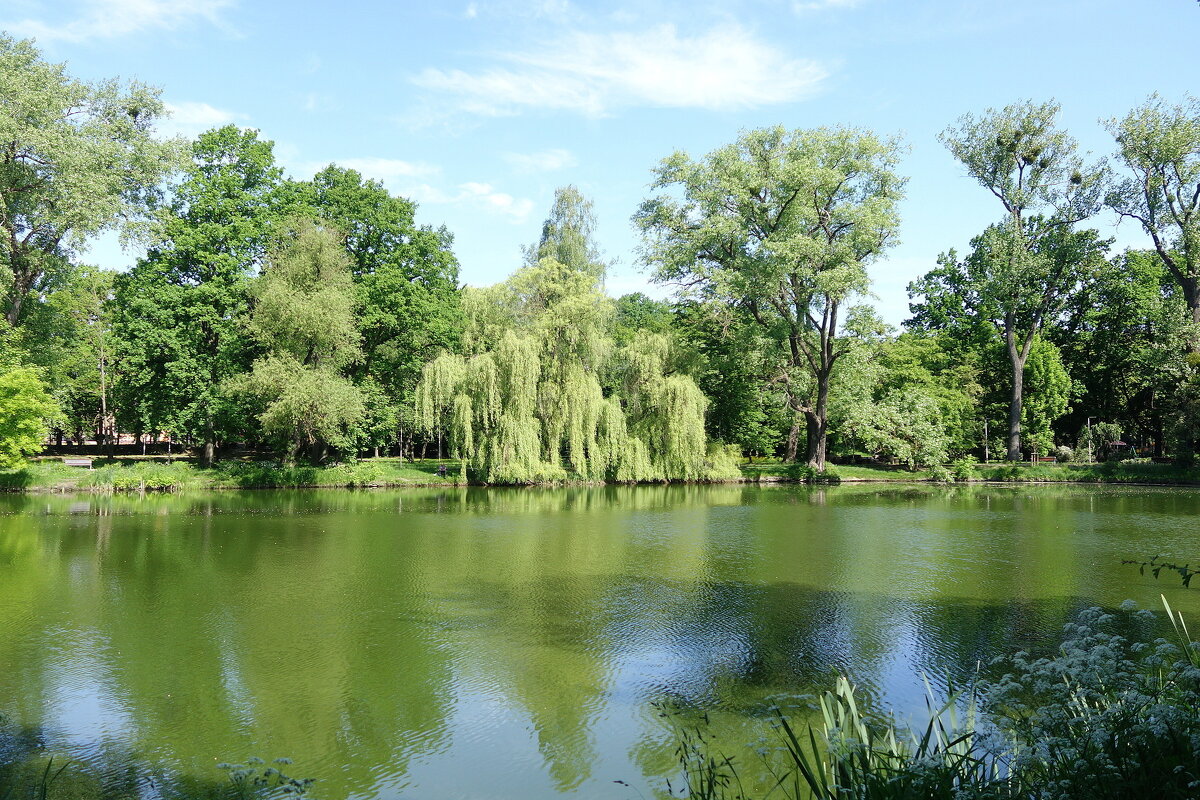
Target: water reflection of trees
(349,630)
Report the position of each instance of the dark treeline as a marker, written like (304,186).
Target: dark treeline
(317,320)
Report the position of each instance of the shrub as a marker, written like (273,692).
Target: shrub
(964,468)
(806,474)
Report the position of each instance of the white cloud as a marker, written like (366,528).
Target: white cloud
(413,180)
(544,161)
(472,11)
(817,5)
(191,118)
(595,73)
(388,170)
(103,19)
(484,196)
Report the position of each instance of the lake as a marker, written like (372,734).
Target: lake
(502,643)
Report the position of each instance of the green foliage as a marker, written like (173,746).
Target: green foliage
(1047,392)
(25,406)
(405,279)
(905,424)
(804,473)
(78,159)
(304,319)
(180,323)
(1160,145)
(1111,716)
(140,476)
(546,394)
(1021,271)
(780,224)
(964,469)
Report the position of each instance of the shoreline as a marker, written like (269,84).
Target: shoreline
(140,476)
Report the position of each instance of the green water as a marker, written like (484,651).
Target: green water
(520,643)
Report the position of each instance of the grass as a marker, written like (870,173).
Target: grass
(1139,471)
(140,474)
(156,473)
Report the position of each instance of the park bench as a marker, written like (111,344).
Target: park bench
(78,462)
(1047,459)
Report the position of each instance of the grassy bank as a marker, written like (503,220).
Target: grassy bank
(136,474)
(156,474)
(1134,472)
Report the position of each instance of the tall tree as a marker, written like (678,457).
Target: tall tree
(1015,298)
(1033,169)
(568,234)
(304,317)
(181,309)
(782,224)
(76,159)
(1124,340)
(546,393)
(69,334)
(406,282)
(1160,145)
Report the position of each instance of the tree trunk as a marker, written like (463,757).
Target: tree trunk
(210,452)
(1014,406)
(793,443)
(1191,296)
(817,423)
(818,437)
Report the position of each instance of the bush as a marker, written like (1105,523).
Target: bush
(806,474)
(964,468)
(939,473)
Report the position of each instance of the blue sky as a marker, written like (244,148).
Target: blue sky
(479,109)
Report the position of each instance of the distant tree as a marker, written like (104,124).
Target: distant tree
(1124,341)
(180,324)
(406,282)
(304,318)
(1032,168)
(545,393)
(1016,304)
(781,224)
(637,312)
(70,335)
(568,235)
(76,159)
(1160,145)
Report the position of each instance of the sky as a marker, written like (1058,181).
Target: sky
(478,110)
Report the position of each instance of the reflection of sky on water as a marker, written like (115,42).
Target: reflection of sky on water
(522,643)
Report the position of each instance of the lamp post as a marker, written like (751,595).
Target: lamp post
(1089,430)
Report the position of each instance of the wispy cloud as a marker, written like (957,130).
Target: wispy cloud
(818,5)
(544,161)
(389,171)
(106,19)
(727,68)
(190,118)
(418,181)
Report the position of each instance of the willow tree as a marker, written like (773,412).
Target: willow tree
(544,393)
(781,224)
(304,317)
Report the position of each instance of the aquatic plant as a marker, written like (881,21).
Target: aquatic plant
(1112,715)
